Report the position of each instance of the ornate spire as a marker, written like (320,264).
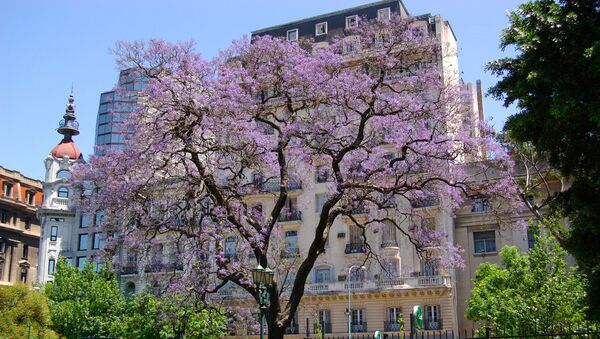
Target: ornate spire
(68,126)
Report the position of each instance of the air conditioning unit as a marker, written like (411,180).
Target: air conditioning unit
(341,234)
(342,277)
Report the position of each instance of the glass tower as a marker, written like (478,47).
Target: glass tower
(115,107)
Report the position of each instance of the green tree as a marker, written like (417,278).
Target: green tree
(24,312)
(172,316)
(534,290)
(553,79)
(85,303)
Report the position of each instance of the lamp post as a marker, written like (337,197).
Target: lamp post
(263,279)
(350,298)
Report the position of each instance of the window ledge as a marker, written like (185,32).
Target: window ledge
(483,254)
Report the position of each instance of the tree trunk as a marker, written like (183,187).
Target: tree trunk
(275,332)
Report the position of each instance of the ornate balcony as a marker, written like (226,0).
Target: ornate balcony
(289,215)
(355,248)
(273,186)
(292,329)
(424,202)
(389,243)
(391,326)
(359,327)
(397,283)
(323,327)
(433,325)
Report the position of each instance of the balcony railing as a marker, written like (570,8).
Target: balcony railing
(391,326)
(424,202)
(273,186)
(129,269)
(359,327)
(359,210)
(322,327)
(292,329)
(383,284)
(389,243)
(431,325)
(355,248)
(289,215)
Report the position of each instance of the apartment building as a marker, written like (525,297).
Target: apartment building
(382,295)
(20,197)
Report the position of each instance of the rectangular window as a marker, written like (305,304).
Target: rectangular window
(433,320)
(389,235)
(358,320)
(25,251)
(351,21)
(83,242)
(322,174)
(57,219)
(321,28)
(428,268)
(322,275)
(98,218)
(30,197)
(485,242)
(480,204)
(325,321)
(292,35)
(230,247)
(321,199)
(383,14)
(51,266)
(97,241)
(531,238)
(4,217)
(53,233)
(291,244)
(393,317)
(85,221)
(81,262)
(27,224)
(97,267)
(8,189)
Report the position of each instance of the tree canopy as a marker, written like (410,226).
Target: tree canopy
(553,79)
(372,112)
(534,290)
(84,303)
(24,312)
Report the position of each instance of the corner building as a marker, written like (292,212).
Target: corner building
(20,197)
(382,299)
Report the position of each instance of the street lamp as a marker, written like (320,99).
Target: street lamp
(263,279)
(350,298)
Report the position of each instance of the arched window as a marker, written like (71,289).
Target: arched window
(63,174)
(130,288)
(63,192)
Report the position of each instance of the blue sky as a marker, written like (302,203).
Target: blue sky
(47,45)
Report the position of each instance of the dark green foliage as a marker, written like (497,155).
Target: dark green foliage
(535,290)
(555,82)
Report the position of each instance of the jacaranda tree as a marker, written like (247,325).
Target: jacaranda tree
(372,111)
